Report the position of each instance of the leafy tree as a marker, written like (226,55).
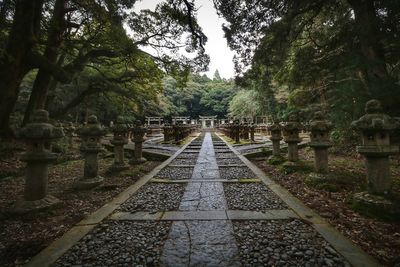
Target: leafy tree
(244,105)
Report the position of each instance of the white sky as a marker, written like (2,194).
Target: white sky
(220,55)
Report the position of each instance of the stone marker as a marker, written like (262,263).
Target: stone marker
(276,137)
(121,137)
(236,131)
(69,130)
(138,138)
(319,141)
(91,135)
(291,136)
(375,128)
(38,135)
(252,131)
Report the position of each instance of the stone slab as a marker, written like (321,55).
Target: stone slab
(194,215)
(256,215)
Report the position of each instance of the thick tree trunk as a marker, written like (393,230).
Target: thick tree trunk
(379,83)
(37,99)
(15,62)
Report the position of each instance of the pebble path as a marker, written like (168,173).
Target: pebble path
(205,208)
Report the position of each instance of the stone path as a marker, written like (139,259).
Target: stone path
(205,206)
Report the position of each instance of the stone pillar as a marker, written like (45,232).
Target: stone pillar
(203,123)
(252,130)
(276,137)
(138,138)
(319,141)
(236,132)
(212,123)
(38,135)
(375,128)
(291,136)
(91,135)
(120,138)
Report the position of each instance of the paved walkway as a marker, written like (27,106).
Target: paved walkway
(205,206)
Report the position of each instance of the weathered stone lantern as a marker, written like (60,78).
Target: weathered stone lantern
(276,137)
(38,135)
(375,128)
(319,141)
(91,135)
(252,131)
(236,131)
(138,138)
(121,137)
(291,136)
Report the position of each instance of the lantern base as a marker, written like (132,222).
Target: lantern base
(136,161)
(375,205)
(88,183)
(31,206)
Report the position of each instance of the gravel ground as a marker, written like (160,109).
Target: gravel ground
(178,161)
(283,243)
(119,244)
(251,196)
(188,156)
(222,150)
(230,173)
(155,197)
(224,155)
(229,161)
(175,173)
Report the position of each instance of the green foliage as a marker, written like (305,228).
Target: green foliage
(245,104)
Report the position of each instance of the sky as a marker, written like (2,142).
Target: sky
(220,54)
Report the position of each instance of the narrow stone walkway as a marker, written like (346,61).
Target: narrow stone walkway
(205,206)
(202,242)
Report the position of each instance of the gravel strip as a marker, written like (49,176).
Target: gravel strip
(188,156)
(155,197)
(229,161)
(119,244)
(177,161)
(283,243)
(189,151)
(230,173)
(175,173)
(251,196)
(227,154)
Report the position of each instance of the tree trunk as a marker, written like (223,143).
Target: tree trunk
(379,82)
(15,61)
(37,99)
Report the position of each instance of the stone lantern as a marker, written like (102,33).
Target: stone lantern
(91,135)
(375,128)
(276,137)
(236,131)
(252,131)
(291,136)
(319,141)
(121,137)
(38,135)
(138,138)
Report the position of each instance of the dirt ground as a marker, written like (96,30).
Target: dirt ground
(379,238)
(24,236)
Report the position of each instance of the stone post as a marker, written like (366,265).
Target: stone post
(38,135)
(236,131)
(319,141)
(121,137)
(138,138)
(375,128)
(291,136)
(91,135)
(252,130)
(276,137)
